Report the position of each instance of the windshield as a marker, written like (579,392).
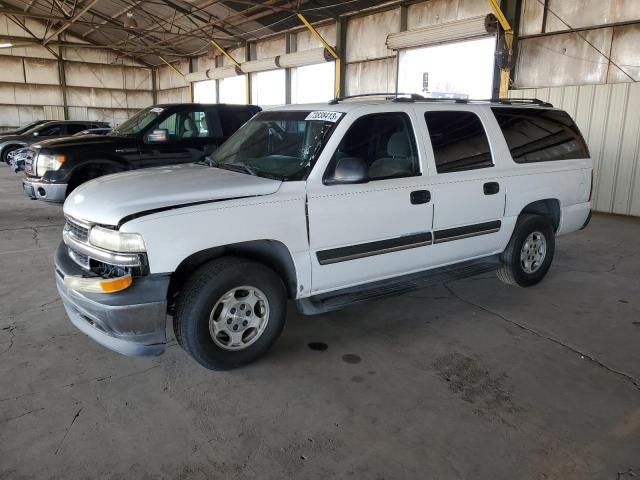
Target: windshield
(281,144)
(138,122)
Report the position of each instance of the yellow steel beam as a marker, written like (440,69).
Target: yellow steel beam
(172,67)
(504,23)
(328,47)
(224,52)
(508,41)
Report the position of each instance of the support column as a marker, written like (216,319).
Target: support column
(341,50)
(290,47)
(63,80)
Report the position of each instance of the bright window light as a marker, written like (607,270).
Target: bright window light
(463,70)
(313,83)
(204,92)
(268,88)
(233,90)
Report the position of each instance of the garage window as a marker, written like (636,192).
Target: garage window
(431,72)
(205,91)
(540,135)
(459,141)
(233,90)
(268,88)
(313,83)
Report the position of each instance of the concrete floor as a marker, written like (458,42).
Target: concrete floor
(473,379)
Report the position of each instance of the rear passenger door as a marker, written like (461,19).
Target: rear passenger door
(364,232)
(467,194)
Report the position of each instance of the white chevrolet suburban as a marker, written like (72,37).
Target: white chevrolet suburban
(327,205)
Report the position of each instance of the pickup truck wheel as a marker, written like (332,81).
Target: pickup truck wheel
(529,253)
(230,312)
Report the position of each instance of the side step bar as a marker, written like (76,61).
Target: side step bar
(328,302)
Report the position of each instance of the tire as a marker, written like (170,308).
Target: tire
(81,178)
(202,317)
(6,152)
(522,266)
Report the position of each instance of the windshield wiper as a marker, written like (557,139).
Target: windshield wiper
(236,167)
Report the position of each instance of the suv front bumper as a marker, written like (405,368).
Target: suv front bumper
(39,190)
(131,322)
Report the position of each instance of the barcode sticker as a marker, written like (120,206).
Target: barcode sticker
(332,117)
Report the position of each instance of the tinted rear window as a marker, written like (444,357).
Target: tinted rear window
(540,135)
(459,141)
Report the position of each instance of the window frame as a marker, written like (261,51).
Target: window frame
(485,129)
(414,145)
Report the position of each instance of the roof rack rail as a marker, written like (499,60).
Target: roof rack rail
(414,97)
(394,95)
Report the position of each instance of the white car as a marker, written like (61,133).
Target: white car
(327,205)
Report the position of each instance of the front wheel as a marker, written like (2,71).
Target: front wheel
(6,152)
(230,312)
(529,253)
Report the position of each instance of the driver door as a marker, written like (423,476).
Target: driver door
(365,232)
(189,140)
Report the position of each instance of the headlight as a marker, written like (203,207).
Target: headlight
(48,162)
(116,241)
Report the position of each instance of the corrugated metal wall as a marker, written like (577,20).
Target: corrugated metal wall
(608,118)
(100,85)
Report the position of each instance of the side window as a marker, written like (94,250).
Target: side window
(75,128)
(540,135)
(386,144)
(182,125)
(51,130)
(459,141)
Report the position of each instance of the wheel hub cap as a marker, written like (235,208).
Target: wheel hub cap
(533,253)
(239,318)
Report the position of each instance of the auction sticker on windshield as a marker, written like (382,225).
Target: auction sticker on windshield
(324,116)
(157,110)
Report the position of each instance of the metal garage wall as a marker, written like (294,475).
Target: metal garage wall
(370,66)
(100,85)
(172,87)
(608,118)
(549,55)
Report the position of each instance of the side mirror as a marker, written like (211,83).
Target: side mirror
(159,135)
(349,170)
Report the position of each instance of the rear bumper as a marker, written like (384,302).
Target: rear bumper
(39,190)
(574,217)
(131,322)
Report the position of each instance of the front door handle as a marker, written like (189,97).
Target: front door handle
(420,196)
(491,188)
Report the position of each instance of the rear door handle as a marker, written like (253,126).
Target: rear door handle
(491,188)
(420,196)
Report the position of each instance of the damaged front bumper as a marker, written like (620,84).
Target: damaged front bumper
(131,322)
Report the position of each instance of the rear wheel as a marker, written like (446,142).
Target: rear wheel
(230,312)
(529,254)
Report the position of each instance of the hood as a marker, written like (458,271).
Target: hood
(84,140)
(109,199)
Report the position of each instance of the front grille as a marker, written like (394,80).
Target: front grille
(79,232)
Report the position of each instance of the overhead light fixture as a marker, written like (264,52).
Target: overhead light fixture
(6,45)
(129,21)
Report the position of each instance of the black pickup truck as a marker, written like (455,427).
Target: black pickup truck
(156,136)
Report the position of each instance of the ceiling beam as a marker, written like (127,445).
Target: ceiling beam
(82,11)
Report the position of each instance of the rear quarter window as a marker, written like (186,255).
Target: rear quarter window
(540,135)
